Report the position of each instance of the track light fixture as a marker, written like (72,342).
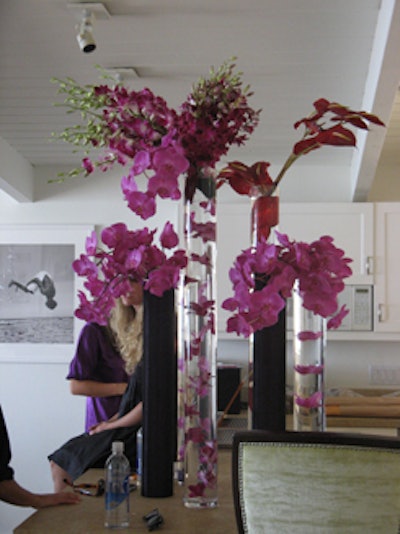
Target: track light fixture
(85,36)
(86,13)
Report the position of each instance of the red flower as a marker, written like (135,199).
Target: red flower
(325,126)
(245,180)
(317,134)
(336,136)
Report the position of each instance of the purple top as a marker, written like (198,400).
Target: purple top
(97,359)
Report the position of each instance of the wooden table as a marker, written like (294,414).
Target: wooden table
(88,516)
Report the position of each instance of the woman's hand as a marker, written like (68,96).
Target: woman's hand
(132,418)
(100,427)
(54,499)
(13,493)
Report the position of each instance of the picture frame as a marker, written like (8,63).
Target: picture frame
(39,291)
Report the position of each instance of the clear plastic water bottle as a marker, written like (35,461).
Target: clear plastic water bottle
(139,455)
(117,472)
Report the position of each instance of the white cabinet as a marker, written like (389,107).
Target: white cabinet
(387,267)
(350,224)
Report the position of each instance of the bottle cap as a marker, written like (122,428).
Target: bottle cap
(117,447)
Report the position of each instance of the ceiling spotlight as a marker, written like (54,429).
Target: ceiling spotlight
(85,36)
(86,13)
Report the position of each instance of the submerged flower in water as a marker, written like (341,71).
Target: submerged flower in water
(314,401)
(309,369)
(307,335)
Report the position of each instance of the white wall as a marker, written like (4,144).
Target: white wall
(40,412)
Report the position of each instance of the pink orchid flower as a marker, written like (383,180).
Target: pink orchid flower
(320,268)
(197,490)
(169,238)
(130,255)
(307,335)
(309,369)
(314,401)
(336,320)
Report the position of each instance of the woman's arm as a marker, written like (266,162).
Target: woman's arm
(91,388)
(132,418)
(12,493)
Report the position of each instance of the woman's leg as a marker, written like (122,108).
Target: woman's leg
(59,475)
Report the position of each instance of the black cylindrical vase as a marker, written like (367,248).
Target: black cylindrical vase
(269,344)
(159,394)
(269,376)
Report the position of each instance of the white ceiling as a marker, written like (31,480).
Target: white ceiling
(291,52)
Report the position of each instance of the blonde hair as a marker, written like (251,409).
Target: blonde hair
(126,324)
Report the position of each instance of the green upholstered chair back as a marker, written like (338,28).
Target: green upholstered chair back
(316,482)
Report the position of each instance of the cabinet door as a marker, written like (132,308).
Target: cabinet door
(387,272)
(351,226)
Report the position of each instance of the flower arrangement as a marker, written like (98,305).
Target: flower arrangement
(137,129)
(319,267)
(325,126)
(131,255)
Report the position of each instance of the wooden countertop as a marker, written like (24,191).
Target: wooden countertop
(355,423)
(88,516)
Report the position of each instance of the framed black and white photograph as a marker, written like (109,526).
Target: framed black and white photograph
(38,291)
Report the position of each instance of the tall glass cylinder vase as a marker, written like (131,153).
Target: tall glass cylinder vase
(309,345)
(199,344)
(267,354)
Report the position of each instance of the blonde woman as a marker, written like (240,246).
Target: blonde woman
(92,448)
(105,357)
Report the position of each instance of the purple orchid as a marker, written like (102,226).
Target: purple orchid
(309,369)
(169,238)
(130,255)
(314,401)
(320,268)
(307,335)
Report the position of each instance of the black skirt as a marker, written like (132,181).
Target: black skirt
(86,451)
